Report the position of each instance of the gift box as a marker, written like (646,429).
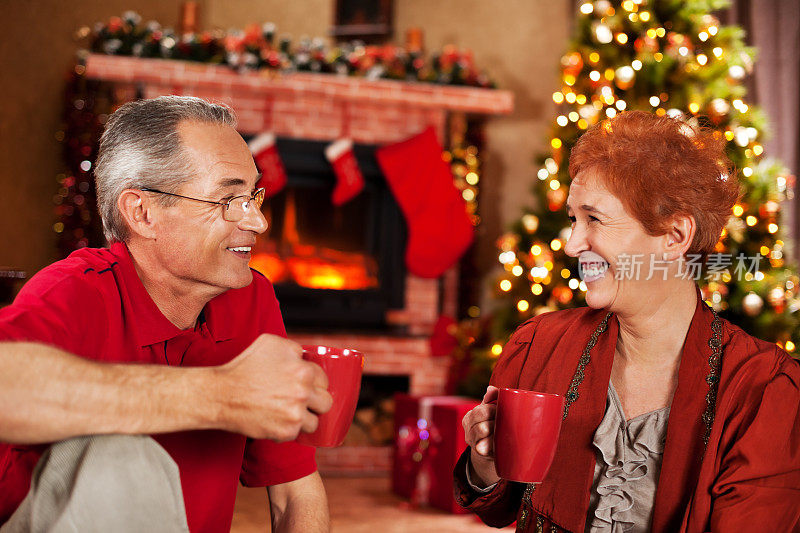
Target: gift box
(429,439)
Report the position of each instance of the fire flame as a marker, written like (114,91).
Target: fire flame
(314,267)
(349,272)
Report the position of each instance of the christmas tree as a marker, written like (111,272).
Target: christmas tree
(668,57)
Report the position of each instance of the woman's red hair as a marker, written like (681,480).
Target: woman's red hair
(661,168)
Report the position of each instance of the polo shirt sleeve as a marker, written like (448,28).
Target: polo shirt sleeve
(267,462)
(64,311)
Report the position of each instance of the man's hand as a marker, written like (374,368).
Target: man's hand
(479,434)
(269,391)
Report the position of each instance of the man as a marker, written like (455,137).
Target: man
(177,195)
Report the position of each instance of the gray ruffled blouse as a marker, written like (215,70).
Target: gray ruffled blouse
(629,454)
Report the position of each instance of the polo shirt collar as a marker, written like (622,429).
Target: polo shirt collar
(220,323)
(146,320)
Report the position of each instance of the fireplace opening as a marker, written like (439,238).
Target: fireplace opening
(318,253)
(332,266)
(373,422)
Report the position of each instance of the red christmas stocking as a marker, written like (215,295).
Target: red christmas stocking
(349,180)
(265,153)
(439,229)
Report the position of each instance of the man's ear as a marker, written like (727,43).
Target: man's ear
(679,237)
(135,207)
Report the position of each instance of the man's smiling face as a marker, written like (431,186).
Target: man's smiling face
(198,247)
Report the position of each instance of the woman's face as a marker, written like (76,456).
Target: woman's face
(609,244)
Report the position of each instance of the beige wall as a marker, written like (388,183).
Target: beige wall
(296,18)
(38,49)
(518,41)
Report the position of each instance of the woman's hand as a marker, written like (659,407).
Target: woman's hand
(479,434)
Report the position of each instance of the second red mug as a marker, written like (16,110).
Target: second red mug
(343,367)
(526,430)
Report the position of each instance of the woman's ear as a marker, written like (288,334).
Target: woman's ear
(679,237)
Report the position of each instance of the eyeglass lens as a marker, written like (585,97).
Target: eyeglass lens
(237,207)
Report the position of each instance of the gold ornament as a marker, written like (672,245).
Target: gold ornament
(602,33)
(624,77)
(602,7)
(508,242)
(589,113)
(752,304)
(718,109)
(777,299)
(530,223)
(735,228)
(736,72)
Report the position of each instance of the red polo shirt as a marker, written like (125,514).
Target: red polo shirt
(93,304)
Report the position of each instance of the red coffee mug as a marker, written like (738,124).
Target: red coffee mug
(526,429)
(343,368)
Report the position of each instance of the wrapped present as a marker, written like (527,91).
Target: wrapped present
(428,441)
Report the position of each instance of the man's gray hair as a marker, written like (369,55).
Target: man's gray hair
(141,148)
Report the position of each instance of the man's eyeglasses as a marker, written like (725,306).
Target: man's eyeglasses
(235,208)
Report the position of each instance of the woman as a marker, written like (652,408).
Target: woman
(675,419)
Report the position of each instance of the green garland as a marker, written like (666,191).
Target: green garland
(255,48)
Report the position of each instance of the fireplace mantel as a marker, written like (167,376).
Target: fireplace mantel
(367,111)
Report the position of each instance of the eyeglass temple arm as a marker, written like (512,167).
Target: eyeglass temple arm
(187,197)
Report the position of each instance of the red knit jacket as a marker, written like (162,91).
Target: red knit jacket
(747,478)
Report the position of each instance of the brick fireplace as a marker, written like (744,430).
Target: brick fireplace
(320,107)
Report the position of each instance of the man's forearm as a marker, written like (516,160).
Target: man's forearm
(300,505)
(47,394)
